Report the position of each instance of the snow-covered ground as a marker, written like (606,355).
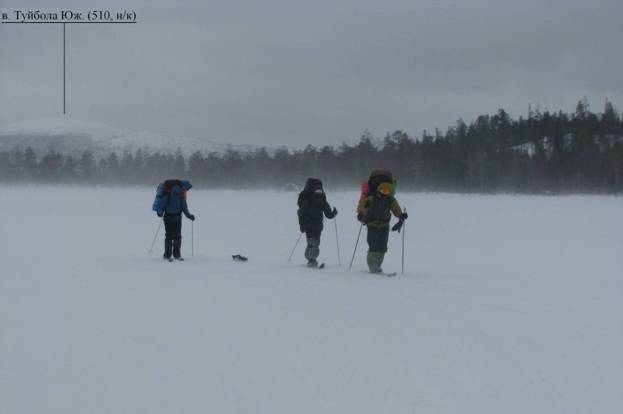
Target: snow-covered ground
(509,305)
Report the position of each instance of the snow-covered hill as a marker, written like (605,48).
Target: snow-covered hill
(72,136)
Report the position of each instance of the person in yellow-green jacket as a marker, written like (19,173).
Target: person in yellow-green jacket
(374,210)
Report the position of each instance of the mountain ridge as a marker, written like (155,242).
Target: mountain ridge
(72,136)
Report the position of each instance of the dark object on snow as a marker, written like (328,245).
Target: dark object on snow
(239,258)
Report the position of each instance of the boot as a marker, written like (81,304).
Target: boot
(168,244)
(177,247)
(312,251)
(375,260)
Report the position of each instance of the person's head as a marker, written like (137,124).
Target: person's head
(317,194)
(186,185)
(313,184)
(384,190)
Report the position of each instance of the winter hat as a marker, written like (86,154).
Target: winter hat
(186,185)
(384,189)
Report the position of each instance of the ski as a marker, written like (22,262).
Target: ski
(391,274)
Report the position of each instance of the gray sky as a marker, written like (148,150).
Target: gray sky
(277,72)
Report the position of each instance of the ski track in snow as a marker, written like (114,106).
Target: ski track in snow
(509,304)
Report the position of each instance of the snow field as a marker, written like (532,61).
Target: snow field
(509,304)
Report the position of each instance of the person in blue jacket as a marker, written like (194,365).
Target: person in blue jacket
(172,208)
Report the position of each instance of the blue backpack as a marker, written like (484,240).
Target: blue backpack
(164,189)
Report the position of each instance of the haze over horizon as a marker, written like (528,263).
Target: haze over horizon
(284,73)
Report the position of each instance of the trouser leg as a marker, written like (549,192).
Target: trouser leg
(375,261)
(177,247)
(377,243)
(168,244)
(172,238)
(312,251)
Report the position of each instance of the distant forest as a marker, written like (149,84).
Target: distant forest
(545,152)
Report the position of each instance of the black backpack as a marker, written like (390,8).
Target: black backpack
(377,177)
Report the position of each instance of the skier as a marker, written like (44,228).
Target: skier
(313,204)
(374,210)
(171,207)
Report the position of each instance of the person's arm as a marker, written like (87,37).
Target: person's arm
(302,219)
(186,212)
(160,211)
(395,208)
(397,211)
(362,208)
(328,211)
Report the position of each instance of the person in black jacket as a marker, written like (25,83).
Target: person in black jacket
(313,207)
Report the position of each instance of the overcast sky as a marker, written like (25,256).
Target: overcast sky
(284,72)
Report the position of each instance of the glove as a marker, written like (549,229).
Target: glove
(302,229)
(398,226)
(404,216)
(160,213)
(191,217)
(334,212)
(360,217)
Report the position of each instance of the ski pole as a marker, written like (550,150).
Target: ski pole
(356,244)
(295,245)
(404,230)
(151,249)
(192,238)
(337,242)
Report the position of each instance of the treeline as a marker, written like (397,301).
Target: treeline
(544,152)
